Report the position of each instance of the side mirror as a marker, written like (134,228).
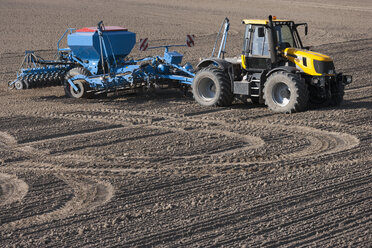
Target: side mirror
(306,29)
(261,32)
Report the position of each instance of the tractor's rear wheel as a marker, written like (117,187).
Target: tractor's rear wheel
(82,85)
(285,93)
(212,87)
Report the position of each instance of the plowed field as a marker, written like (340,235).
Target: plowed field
(160,170)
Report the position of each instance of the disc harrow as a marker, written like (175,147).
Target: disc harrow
(38,72)
(41,77)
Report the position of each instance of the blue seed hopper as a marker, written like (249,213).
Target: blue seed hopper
(86,45)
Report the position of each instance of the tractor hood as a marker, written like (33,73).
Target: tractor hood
(312,63)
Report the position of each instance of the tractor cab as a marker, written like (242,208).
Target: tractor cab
(259,42)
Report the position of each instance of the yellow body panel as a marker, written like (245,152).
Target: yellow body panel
(243,62)
(261,22)
(296,56)
(307,53)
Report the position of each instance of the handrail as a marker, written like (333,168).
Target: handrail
(225,25)
(60,39)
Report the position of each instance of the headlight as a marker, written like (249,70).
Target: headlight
(348,79)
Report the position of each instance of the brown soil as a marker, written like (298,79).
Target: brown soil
(160,170)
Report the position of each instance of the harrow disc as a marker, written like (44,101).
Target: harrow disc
(26,84)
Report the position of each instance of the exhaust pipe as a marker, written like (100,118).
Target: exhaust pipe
(273,41)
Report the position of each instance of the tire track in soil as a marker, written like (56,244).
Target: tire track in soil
(321,142)
(89,193)
(318,145)
(345,140)
(12,188)
(69,136)
(358,89)
(144,121)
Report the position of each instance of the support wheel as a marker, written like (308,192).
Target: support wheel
(212,87)
(19,85)
(285,93)
(82,85)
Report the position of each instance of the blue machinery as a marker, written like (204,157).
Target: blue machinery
(95,63)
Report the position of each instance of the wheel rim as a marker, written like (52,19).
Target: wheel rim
(79,92)
(207,89)
(281,94)
(18,85)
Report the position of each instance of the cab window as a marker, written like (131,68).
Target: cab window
(260,45)
(285,37)
(247,37)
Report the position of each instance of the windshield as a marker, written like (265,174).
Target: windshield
(285,36)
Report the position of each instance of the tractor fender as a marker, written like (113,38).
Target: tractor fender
(289,69)
(219,63)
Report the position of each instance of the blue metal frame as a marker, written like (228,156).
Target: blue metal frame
(114,73)
(157,69)
(135,73)
(69,30)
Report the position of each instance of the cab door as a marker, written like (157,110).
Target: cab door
(256,55)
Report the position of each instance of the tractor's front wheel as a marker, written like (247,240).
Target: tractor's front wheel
(212,87)
(285,93)
(81,85)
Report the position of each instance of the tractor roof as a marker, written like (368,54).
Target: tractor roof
(262,22)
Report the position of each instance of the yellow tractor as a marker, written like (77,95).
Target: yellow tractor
(274,69)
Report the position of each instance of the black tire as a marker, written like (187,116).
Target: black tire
(80,84)
(317,97)
(212,87)
(285,93)
(337,93)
